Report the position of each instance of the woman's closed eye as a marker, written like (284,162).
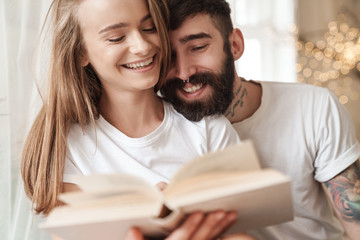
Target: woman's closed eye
(114,40)
(150,29)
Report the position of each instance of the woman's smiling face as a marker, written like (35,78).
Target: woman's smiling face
(121,42)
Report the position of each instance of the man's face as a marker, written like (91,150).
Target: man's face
(200,80)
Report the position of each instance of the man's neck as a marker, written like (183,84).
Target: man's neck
(247,99)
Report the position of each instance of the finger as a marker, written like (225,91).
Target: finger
(134,234)
(210,222)
(187,228)
(222,226)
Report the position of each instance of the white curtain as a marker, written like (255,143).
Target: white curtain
(263,22)
(20,23)
(269,30)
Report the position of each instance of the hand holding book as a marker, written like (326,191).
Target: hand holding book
(230,179)
(199,226)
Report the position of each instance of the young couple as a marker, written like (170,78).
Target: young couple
(102,114)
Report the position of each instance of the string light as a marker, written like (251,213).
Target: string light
(333,58)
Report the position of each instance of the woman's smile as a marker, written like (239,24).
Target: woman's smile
(141,65)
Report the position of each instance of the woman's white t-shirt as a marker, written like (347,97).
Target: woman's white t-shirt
(155,157)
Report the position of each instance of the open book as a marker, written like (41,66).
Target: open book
(230,179)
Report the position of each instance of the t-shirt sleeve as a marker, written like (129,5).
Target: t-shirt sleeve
(220,133)
(70,171)
(337,147)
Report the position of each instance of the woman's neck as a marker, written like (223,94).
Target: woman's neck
(134,114)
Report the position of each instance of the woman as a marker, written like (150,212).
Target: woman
(101,113)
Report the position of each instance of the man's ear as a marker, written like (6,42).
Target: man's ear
(236,40)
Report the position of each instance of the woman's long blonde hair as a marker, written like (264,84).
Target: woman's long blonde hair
(72,95)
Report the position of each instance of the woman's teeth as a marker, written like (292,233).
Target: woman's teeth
(194,88)
(140,65)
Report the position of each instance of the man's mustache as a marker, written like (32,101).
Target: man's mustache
(205,78)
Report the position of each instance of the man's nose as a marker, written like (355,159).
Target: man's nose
(184,68)
(139,44)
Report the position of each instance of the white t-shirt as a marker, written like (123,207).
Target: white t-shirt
(304,132)
(155,157)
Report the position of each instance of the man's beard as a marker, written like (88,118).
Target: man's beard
(215,104)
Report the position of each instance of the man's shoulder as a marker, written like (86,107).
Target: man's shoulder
(294,89)
(290,85)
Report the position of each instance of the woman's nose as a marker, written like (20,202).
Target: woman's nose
(139,44)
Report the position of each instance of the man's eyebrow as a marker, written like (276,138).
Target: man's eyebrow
(121,25)
(190,37)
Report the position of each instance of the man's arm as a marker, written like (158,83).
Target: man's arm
(344,192)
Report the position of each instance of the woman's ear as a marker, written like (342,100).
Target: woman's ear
(236,40)
(84,60)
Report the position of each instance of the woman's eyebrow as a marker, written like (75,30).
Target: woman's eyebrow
(121,25)
(114,26)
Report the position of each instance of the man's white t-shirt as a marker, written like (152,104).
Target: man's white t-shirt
(304,132)
(155,157)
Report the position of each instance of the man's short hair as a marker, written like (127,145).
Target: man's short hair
(219,11)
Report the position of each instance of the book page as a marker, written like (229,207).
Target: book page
(240,157)
(261,197)
(121,196)
(103,222)
(111,182)
(217,185)
(101,188)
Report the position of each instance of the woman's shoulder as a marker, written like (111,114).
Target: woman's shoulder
(78,133)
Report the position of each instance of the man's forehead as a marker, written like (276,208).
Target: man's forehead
(194,27)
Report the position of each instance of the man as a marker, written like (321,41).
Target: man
(298,129)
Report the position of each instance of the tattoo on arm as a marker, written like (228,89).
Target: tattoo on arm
(240,102)
(345,192)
